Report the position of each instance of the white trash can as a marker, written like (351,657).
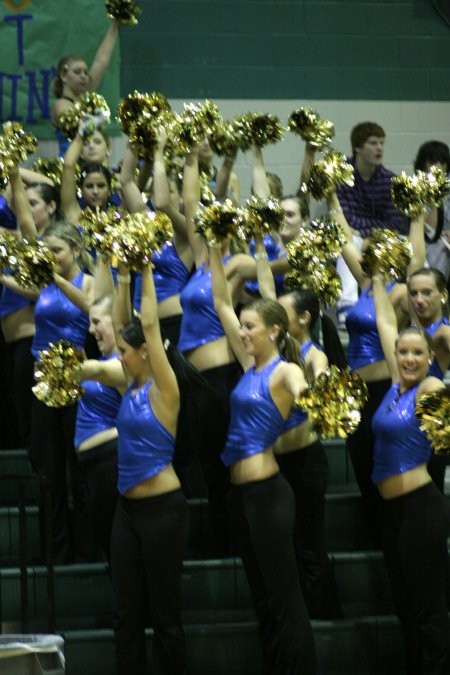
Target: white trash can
(31,655)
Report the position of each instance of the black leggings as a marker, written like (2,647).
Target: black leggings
(51,451)
(415,531)
(99,465)
(146,558)
(19,367)
(306,471)
(262,517)
(360,446)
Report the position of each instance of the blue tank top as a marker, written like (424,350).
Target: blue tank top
(273,252)
(364,345)
(7,218)
(98,408)
(399,443)
(145,446)
(200,323)
(297,415)
(435,369)
(10,302)
(63,142)
(57,318)
(255,422)
(170,275)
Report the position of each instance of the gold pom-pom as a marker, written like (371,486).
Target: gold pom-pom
(259,129)
(327,174)
(90,103)
(137,235)
(56,385)
(433,412)
(9,250)
(261,216)
(36,264)
(334,401)
(411,194)
(308,124)
(15,146)
(207,196)
(197,122)
(217,221)
(98,227)
(52,167)
(136,105)
(388,253)
(125,12)
(223,140)
(322,240)
(321,278)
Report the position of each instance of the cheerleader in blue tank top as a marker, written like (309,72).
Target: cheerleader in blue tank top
(366,357)
(61,312)
(416,516)
(261,502)
(300,455)
(150,523)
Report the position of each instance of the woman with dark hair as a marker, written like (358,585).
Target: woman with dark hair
(74,78)
(151,520)
(299,452)
(416,516)
(437,219)
(262,504)
(428,298)
(365,356)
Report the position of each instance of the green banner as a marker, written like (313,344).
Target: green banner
(34,35)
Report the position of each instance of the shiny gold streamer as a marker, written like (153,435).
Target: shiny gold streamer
(56,385)
(433,412)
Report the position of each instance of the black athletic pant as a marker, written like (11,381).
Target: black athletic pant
(19,369)
(262,518)
(415,531)
(146,557)
(306,471)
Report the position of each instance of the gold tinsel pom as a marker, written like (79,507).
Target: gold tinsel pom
(223,139)
(308,124)
(136,105)
(98,227)
(322,240)
(327,174)
(387,253)
(433,412)
(90,103)
(52,167)
(15,146)
(9,250)
(261,216)
(334,401)
(318,277)
(217,221)
(125,12)
(259,129)
(35,264)
(197,122)
(56,386)
(137,235)
(411,194)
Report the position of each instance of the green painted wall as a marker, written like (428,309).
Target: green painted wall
(316,49)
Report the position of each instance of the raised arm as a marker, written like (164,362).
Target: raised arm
(69,203)
(132,196)
(191,199)
(386,323)
(264,276)
(349,251)
(103,279)
(103,56)
(223,305)
(226,180)
(417,239)
(22,207)
(164,376)
(122,311)
(161,189)
(260,184)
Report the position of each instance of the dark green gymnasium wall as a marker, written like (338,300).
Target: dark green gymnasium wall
(370,50)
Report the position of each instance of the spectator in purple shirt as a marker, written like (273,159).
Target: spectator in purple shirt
(368,203)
